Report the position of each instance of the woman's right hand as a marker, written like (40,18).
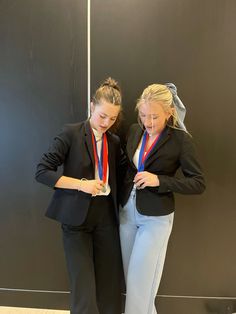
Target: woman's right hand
(91,186)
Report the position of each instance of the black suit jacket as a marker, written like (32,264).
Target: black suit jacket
(174,150)
(73,148)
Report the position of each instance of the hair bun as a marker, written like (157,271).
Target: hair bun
(110,82)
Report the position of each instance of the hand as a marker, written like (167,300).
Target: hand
(91,186)
(145,178)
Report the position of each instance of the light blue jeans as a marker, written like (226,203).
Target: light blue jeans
(144,241)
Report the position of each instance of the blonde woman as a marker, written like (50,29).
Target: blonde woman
(156,148)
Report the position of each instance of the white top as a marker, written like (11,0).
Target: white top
(136,154)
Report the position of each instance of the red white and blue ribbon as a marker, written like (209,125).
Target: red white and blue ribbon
(102,161)
(143,154)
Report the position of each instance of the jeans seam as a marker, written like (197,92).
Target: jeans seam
(153,293)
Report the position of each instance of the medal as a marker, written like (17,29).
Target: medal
(102,162)
(104,189)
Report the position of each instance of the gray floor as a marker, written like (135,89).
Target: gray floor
(21,310)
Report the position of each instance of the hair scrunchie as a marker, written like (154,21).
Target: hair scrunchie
(179,106)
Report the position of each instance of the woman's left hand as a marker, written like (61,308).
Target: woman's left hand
(144,179)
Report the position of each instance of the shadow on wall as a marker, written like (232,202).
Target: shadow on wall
(221,307)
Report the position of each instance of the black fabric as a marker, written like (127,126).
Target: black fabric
(174,150)
(73,149)
(94,261)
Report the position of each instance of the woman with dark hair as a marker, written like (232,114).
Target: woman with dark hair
(85,203)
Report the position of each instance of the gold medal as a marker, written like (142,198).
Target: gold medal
(104,189)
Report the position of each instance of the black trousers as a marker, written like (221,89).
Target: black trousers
(93,260)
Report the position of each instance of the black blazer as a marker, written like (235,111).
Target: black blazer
(73,148)
(174,150)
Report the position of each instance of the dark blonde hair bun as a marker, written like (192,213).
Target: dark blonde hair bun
(110,91)
(110,82)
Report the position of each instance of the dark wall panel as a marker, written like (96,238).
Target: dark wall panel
(43,84)
(190,43)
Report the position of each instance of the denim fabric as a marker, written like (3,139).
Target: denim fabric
(144,241)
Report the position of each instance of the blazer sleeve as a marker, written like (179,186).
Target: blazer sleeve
(46,171)
(193,181)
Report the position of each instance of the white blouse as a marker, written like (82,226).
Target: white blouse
(136,154)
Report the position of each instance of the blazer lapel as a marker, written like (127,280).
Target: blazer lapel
(132,146)
(88,141)
(164,137)
(111,155)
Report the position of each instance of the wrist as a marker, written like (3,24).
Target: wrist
(80,184)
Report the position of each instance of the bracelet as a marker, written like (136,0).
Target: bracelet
(80,183)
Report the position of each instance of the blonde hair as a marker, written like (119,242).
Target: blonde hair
(161,94)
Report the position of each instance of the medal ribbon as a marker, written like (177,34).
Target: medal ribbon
(142,156)
(101,162)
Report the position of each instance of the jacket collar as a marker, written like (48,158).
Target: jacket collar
(135,141)
(166,133)
(89,145)
(88,140)
(164,137)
